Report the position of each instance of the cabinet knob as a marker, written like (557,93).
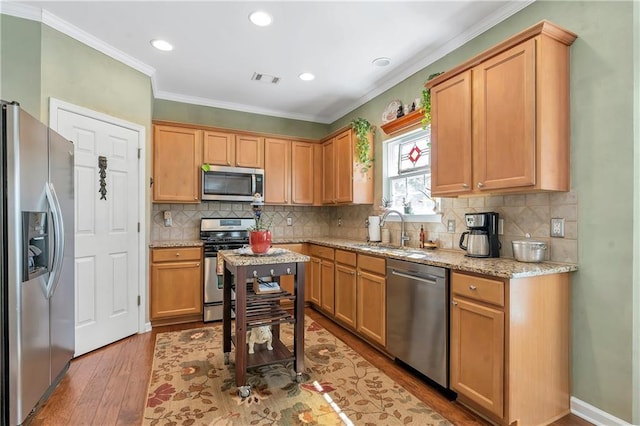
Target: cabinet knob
(228,163)
(177,253)
(197,265)
(480,184)
(454,303)
(352,273)
(465,185)
(472,287)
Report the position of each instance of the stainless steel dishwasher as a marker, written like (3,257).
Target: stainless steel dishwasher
(417,317)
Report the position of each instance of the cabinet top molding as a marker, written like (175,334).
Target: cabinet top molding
(544,27)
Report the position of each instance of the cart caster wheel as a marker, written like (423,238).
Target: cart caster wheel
(244,391)
(298,378)
(226,359)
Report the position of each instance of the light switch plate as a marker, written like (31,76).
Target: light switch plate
(451,226)
(289,221)
(500,226)
(557,227)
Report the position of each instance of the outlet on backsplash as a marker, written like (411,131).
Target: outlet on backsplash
(451,226)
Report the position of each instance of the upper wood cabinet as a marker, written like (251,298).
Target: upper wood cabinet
(288,171)
(500,121)
(342,177)
(229,149)
(219,148)
(177,156)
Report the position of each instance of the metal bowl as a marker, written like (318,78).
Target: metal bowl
(529,250)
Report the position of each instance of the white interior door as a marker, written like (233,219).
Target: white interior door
(107,236)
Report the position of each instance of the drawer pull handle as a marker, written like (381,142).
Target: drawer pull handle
(472,287)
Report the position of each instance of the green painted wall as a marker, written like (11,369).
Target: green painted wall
(602,173)
(217,117)
(76,73)
(20,62)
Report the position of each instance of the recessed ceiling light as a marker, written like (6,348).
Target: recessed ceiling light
(381,62)
(260,18)
(162,45)
(306,76)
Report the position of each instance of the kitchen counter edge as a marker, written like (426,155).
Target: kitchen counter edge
(451,259)
(175,243)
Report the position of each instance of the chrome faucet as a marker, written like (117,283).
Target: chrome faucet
(403,237)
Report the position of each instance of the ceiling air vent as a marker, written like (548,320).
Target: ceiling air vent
(265,78)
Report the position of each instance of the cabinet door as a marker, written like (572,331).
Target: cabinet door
(328,172)
(504,89)
(477,354)
(315,277)
(177,156)
(318,180)
(277,156)
(345,295)
(249,151)
(302,164)
(451,136)
(176,289)
(327,291)
(372,312)
(343,167)
(219,148)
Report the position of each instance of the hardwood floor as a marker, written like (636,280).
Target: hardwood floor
(109,386)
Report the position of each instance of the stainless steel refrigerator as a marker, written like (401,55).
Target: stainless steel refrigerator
(36,262)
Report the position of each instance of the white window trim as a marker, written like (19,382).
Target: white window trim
(430,218)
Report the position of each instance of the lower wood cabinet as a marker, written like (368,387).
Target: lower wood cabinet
(510,346)
(371,296)
(345,288)
(322,278)
(176,285)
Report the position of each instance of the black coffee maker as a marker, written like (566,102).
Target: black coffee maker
(482,235)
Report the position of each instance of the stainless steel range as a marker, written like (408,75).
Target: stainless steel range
(219,234)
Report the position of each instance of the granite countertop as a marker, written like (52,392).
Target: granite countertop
(178,243)
(273,256)
(451,259)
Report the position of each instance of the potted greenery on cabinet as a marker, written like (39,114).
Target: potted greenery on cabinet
(362,128)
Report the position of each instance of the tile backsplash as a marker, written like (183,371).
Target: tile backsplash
(522,214)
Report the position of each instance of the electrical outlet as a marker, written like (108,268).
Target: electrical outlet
(289,221)
(500,226)
(451,226)
(557,227)
(168,221)
(340,222)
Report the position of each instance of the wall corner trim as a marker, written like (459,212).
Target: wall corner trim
(594,414)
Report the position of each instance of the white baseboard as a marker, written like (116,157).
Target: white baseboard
(594,415)
(147,327)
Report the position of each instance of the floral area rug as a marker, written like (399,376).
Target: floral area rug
(190,385)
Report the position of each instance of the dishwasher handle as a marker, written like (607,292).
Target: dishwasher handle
(414,277)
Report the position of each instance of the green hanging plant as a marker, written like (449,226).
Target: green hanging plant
(361,128)
(426,102)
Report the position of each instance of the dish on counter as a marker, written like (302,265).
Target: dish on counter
(391,112)
(246,251)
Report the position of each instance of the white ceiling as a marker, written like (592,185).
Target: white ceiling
(217,49)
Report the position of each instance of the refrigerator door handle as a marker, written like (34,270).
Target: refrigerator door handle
(58,238)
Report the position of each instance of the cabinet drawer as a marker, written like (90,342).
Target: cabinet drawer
(321,251)
(482,289)
(176,254)
(376,265)
(346,257)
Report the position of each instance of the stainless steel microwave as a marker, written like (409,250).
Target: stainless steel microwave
(222,183)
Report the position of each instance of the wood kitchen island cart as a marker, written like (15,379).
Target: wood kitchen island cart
(256,310)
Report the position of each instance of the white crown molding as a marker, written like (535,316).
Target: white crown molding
(594,415)
(36,14)
(429,57)
(29,12)
(238,107)
(20,10)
